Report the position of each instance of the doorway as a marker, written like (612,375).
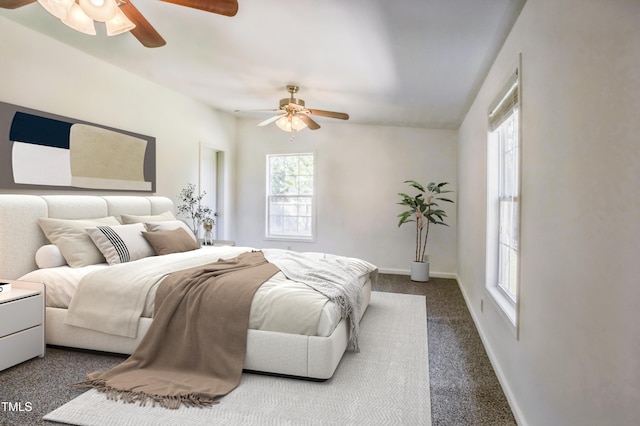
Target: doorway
(211,180)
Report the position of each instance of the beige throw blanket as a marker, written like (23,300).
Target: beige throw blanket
(195,349)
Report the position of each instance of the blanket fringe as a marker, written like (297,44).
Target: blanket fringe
(171,402)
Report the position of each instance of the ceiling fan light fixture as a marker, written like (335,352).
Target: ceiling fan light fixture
(292,115)
(119,24)
(106,10)
(297,123)
(99,10)
(290,123)
(58,8)
(79,21)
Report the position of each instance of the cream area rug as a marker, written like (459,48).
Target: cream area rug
(387,382)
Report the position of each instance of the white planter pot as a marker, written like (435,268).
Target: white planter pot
(420,271)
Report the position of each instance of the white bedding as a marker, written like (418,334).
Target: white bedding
(62,283)
(21,238)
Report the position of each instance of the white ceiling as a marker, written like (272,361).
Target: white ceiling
(392,62)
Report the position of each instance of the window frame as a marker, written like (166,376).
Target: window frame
(269,235)
(507,301)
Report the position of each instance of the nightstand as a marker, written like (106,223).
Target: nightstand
(22,319)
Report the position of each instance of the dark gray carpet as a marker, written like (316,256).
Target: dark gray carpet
(464,388)
(42,383)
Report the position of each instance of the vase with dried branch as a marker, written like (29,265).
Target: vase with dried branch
(192,207)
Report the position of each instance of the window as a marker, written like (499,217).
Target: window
(503,198)
(506,138)
(290,202)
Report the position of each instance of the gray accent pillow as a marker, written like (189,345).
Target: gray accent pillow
(173,241)
(169,225)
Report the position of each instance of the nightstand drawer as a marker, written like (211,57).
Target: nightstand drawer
(20,314)
(20,347)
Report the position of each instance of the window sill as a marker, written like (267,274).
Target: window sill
(506,307)
(291,239)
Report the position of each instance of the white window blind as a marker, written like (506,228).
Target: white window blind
(506,102)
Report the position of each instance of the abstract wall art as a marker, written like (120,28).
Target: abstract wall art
(46,151)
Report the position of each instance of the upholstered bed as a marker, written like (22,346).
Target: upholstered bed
(313,355)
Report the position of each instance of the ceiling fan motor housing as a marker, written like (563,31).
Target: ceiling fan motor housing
(291,102)
(295,101)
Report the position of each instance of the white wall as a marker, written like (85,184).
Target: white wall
(360,170)
(40,73)
(577,358)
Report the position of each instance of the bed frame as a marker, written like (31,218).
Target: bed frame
(20,237)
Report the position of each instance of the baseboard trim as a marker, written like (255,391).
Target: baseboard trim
(408,272)
(513,403)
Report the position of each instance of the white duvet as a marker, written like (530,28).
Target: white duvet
(306,311)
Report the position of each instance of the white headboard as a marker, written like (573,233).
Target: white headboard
(21,236)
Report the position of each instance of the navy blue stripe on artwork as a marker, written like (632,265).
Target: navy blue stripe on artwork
(39,130)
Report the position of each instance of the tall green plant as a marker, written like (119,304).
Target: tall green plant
(424,210)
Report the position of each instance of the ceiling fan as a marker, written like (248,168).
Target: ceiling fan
(143,31)
(293,115)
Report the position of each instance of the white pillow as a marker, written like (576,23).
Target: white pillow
(121,244)
(49,256)
(131,218)
(169,225)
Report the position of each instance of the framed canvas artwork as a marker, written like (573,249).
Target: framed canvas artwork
(43,150)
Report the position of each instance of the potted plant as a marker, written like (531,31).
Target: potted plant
(423,209)
(193,209)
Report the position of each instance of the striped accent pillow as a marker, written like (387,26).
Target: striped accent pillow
(121,244)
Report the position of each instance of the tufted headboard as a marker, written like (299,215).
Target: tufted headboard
(21,236)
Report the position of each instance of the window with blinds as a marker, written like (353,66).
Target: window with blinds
(503,193)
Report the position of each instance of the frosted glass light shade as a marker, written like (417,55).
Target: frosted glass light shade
(290,123)
(119,24)
(79,21)
(58,8)
(100,10)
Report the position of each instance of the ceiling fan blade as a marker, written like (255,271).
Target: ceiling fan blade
(270,120)
(14,4)
(144,31)
(221,7)
(309,122)
(330,114)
